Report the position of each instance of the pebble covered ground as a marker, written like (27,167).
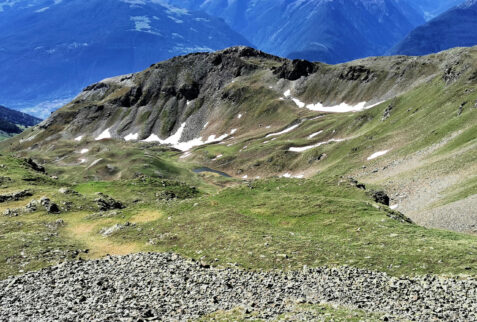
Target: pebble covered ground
(163,286)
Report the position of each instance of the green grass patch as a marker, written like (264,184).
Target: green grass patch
(289,223)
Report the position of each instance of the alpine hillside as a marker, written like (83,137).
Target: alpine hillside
(237,185)
(50,50)
(253,115)
(454,28)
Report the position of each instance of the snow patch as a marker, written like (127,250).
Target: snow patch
(83,151)
(393,207)
(289,129)
(217,157)
(174,140)
(233,131)
(105,135)
(306,148)
(377,154)
(79,138)
(239,116)
(311,136)
(340,108)
(152,138)
(131,137)
(299,103)
(289,175)
(317,117)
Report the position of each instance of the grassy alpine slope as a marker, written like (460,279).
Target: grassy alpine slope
(267,224)
(425,120)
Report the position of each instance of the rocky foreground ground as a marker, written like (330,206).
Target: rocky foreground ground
(169,287)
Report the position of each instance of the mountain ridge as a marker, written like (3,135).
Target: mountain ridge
(197,78)
(453,28)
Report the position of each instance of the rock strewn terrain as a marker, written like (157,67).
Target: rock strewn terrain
(168,287)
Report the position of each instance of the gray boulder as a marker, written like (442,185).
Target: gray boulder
(380,197)
(106,203)
(50,207)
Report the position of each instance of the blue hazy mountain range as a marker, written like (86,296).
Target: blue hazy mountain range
(432,8)
(50,50)
(454,28)
(13,122)
(331,31)
(320,30)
